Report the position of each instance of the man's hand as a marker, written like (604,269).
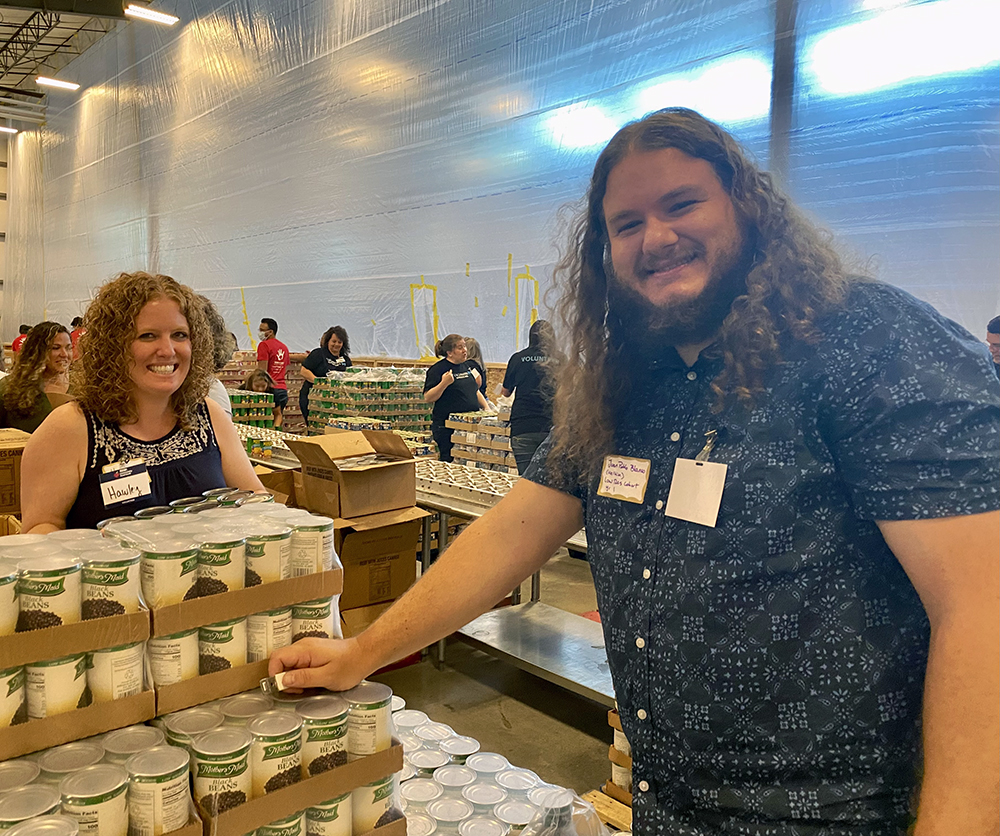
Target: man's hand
(448,378)
(334,664)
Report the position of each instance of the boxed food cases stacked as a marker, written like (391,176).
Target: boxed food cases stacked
(235,372)
(11,447)
(390,395)
(482,440)
(253,409)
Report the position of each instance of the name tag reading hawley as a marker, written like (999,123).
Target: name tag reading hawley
(124,482)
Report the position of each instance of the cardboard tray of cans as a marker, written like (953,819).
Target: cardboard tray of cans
(68,639)
(458,481)
(277,805)
(209,686)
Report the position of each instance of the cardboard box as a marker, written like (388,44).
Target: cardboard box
(361,618)
(36,735)
(619,758)
(67,639)
(241,602)
(384,486)
(212,686)
(279,482)
(11,447)
(379,553)
(282,803)
(9,525)
(617,793)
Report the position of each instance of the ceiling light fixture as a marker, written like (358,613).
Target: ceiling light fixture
(55,82)
(148,14)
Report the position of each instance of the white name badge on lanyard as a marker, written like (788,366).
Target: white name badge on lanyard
(624,478)
(124,482)
(696,491)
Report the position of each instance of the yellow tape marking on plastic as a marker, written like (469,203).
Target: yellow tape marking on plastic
(510,272)
(467,268)
(504,311)
(246,320)
(426,350)
(477,300)
(532,292)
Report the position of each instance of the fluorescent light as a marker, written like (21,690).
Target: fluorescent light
(4,129)
(55,82)
(581,126)
(148,14)
(905,44)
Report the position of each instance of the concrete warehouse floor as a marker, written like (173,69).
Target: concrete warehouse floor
(533,723)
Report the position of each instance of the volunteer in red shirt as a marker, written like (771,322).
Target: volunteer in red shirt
(20,338)
(74,335)
(272,357)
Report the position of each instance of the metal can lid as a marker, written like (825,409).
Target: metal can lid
(27,802)
(245,706)
(267,527)
(46,826)
(454,775)
(322,708)
(19,773)
(483,826)
(417,824)
(74,534)
(516,813)
(133,739)
(157,761)
(275,724)
(93,781)
(434,731)
(200,507)
(214,492)
(168,547)
(484,794)
(226,741)
(487,762)
(519,780)
(152,511)
(62,563)
(409,718)
(397,704)
(223,537)
(105,523)
(551,797)
(460,745)
(71,756)
(368,693)
(12,541)
(450,810)
(428,759)
(255,499)
(193,721)
(311,521)
(184,501)
(407,772)
(421,790)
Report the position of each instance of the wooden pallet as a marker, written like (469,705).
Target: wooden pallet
(612,813)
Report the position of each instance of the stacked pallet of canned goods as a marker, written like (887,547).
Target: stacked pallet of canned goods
(393,396)
(254,409)
(268,446)
(482,440)
(235,372)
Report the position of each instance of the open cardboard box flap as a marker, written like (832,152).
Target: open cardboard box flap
(322,452)
(373,521)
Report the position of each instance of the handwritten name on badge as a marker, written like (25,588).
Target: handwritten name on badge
(624,478)
(124,481)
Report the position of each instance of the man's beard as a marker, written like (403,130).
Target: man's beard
(633,319)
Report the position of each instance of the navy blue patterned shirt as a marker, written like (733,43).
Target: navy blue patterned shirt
(769,670)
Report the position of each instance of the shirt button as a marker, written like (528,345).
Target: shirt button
(644,786)
(640,642)
(675,436)
(647,574)
(641,714)
(659,504)
(692,375)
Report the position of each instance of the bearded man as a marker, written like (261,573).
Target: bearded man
(789,481)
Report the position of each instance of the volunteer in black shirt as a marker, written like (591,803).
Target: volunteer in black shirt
(452,385)
(531,414)
(331,356)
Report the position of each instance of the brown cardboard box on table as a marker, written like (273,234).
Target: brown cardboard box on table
(11,447)
(340,492)
(67,640)
(281,483)
(379,553)
(227,606)
(355,621)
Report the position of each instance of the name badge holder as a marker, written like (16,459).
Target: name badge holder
(124,482)
(696,487)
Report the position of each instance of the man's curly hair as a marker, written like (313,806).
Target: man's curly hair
(796,276)
(106,348)
(24,384)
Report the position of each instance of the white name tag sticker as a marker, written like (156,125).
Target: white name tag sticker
(624,478)
(124,482)
(696,491)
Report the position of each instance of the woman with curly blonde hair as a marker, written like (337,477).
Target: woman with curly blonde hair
(40,367)
(147,356)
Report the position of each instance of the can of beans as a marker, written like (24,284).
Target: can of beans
(152,511)
(115,672)
(110,583)
(169,572)
(26,803)
(314,619)
(57,686)
(180,504)
(48,592)
(221,563)
(55,825)
(294,825)
(242,708)
(215,493)
(13,706)
(158,792)
(121,744)
(222,646)
(97,797)
(324,733)
(369,720)
(332,818)
(8,598)
(17,773)
(173,658)
(267,631)
(312,544)
(184,727)
(373,805)
(62,761)
(268,552)
(221,769)
(276,753)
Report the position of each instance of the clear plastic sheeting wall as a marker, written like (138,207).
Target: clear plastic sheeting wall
(397,166)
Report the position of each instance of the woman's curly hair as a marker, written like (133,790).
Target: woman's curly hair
(796,276)
(106,348)
(24,384)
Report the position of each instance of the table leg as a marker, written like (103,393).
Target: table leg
(536,586)
(443,519)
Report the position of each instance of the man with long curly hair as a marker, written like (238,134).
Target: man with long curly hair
(788,477)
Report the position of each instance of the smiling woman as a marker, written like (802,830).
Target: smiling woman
(41,367)
(147,358)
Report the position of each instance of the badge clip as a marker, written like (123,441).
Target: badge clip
(706,451)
